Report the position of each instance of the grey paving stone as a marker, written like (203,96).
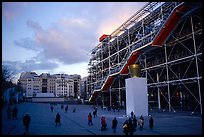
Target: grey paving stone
(43,122)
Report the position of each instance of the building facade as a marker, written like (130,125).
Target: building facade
(77,82)
(60,85)
(64,85)
(165,38)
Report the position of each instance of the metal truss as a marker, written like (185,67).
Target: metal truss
(137,34)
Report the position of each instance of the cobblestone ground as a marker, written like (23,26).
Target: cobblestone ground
(43,122)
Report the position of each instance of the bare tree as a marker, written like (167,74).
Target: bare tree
(7,76)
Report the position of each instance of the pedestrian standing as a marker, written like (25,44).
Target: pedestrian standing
(8,112)
(134,122)
(57,119)
(126,127)
(90,119)
(95,108)
(62,106)
(94,113)
(52,108)
(103,123)
(26,122)
(15,112)
(114,124)
(151,122)
(66,108)
(141,122)
(131,115)
(74,109)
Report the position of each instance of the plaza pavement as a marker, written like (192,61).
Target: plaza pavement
(43,121)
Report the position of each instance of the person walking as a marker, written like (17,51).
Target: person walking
(141,122)
(15,112)
(26,122)
(57,119)
(114,124)
(103,123)
(131,127)
(151,122)
(90,119)
(126,127)
(134,122)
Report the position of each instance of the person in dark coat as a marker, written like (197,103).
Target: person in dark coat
(52,108)
(90,119)
(131,126)
(62,106)
(57,119)
(131,115)
(74,109)
(94,113)
(151,122)
(66,108)
(114,124)
(15,112)
(26,122)
(134,122)
(126,127)
(95,108)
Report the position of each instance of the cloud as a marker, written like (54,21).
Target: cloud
(116,14)
(12,10)
(28,44)
(30,65)
(33,25)
(68,41)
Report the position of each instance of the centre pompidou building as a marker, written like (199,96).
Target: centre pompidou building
(166,39)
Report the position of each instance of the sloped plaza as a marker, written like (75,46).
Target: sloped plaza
(76,123)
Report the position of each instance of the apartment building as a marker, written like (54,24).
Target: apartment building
(61,85)
(77,81)
(64,85)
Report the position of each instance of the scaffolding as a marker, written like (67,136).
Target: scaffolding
(165,38)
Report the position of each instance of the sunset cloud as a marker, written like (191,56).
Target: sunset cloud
(60,35)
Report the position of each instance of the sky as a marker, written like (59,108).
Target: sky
(57,37)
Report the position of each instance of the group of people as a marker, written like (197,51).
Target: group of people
(103,122)
(130,125)
(62,107)
(12,112)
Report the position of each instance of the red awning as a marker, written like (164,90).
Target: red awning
(93,97)
(133,58)
(169,26)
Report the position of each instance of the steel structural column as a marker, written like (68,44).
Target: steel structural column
(196,59)
(145,66)
(159,103)
(119,91)
(110,96)
(167,78)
